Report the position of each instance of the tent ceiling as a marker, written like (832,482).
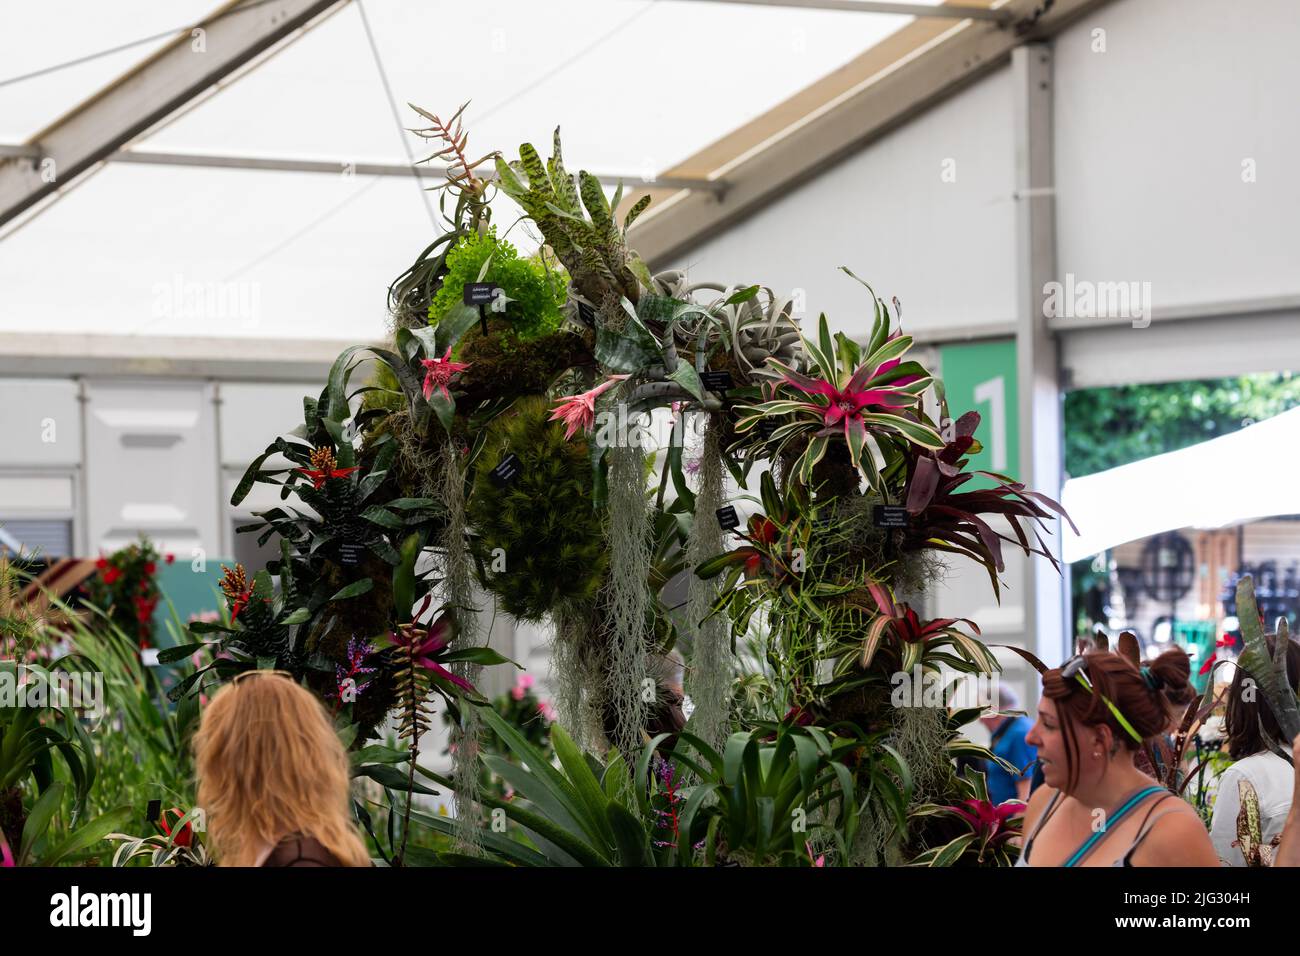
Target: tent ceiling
(320,249)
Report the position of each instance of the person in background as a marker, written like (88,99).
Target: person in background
(1007,740)
(1288,851)
(1246,722)
(1096,808)
(274,780)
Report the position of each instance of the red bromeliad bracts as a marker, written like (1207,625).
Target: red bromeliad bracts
(324,467)
(234,585)
(426,644)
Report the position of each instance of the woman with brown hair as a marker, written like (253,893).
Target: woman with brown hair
(274,777)
(1096,808)
(1250,725)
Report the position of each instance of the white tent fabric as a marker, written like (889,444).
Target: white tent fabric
(637,85)
(1253,473)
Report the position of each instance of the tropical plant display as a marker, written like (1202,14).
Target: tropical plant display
(725,518)
(501,459)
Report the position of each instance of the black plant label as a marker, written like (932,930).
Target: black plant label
(153,811)
(349,554)
(507,471)
(727,518)
(586,313)
(890,516)
(716,381)
(767,427)
(479,293)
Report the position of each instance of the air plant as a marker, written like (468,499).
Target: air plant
(946,519)
(773,540)
(471,190)
(846,392)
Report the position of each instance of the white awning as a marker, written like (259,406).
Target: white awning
(1253,473)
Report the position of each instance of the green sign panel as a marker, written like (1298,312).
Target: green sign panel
(981,377)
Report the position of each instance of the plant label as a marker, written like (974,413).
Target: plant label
(153,811)
(716,381)
(586,313)
(766,428)
(349,554)
(507,471)
(480,293)
(727,518)
(890,516)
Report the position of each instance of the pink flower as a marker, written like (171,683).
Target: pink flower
(547,711)
(6,856)
(989,821)
(522,684)
(425,648)
(579,411)
(438,373)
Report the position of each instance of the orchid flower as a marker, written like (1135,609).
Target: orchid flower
(579,411)
(438,373)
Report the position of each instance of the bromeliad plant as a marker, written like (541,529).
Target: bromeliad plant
(917,642)
(989,829)
(862,396)
(945,518)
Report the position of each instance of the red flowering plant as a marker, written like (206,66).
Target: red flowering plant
(945,518)
(863,396)
(980,831)
(772,541)
(125,586)
(918,641)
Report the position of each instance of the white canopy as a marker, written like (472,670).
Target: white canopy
(1249,474)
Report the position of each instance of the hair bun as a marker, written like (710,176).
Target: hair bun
(1170,675)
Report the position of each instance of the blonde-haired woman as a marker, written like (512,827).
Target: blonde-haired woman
(274,777)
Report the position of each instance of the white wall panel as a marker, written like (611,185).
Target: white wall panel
(253,414)
(1150,139)
(40,422)
(946,249)
(151,466)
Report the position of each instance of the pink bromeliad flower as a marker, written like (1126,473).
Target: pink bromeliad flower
(990,821)
(579,411)
(6,856)
(438,373)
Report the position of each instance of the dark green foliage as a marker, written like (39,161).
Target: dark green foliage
(537,294)
(548,536)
